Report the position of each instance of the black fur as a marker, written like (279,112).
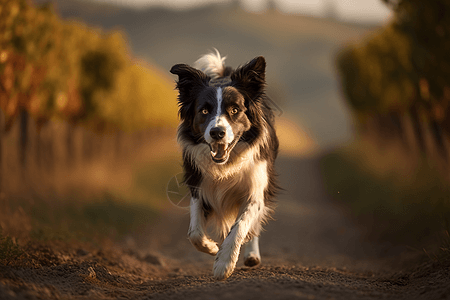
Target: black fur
(249,80)
(229,146)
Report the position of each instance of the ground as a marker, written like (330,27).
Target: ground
(311,250)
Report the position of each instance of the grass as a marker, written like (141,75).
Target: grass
(91,206)
(397,204)
(9,249)
(92,213)
(105,216)
(150,182)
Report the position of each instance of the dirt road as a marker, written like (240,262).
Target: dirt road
(311,251)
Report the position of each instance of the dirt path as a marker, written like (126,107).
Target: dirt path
(311,251)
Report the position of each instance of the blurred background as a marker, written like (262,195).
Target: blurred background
(89,113)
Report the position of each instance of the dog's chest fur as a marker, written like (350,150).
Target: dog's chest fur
(224,197)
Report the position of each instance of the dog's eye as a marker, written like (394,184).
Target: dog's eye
(234,111)
(205,111)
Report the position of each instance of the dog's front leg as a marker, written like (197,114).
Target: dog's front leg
(196,233)
(228,254)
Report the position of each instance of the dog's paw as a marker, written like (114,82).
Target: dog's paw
(223,269)
(252,260)
(224,263)
(203,244)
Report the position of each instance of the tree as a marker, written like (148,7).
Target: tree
(402,70)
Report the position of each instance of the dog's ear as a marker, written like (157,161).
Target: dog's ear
(251,78)
(189,84)
(189,79)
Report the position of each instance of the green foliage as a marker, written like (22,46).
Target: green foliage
(58,68)
(110,213)
(106,215)
(397,81)
(400,207)
(377,76)
(402,65)
(9,250)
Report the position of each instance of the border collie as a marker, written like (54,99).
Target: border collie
(229,147)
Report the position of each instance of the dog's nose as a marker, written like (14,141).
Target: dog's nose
(217,133)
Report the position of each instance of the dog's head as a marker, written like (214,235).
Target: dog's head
(219,112)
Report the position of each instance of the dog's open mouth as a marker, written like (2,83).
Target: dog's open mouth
(220,152)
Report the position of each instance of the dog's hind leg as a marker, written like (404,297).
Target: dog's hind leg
(196,234)
(251,253)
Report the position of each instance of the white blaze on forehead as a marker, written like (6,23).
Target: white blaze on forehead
(219,120)
(219,102)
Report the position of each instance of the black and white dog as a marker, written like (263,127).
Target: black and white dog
(229,146)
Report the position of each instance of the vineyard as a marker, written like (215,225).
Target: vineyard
(71,95)
(396,82)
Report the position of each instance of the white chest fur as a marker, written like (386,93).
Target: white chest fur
(227,196)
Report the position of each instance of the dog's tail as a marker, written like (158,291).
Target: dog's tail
(212,64)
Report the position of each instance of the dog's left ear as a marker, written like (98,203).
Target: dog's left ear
(251,78)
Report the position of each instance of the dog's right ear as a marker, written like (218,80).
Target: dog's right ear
(189,84)
(189,79)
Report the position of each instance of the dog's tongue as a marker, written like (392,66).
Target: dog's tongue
(218,151)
